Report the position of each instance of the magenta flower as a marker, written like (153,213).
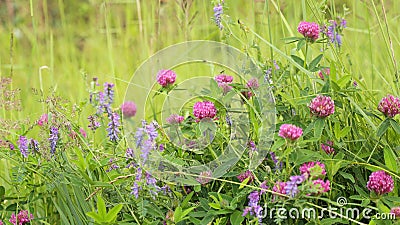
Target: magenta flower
(313,169)
(390,106)
(128,109)
(309,30)
(175,119)
(247,174)
(322,106)
(328,147)
(204,109)
(23,217)
(324,72)
(380,182)
(251,84)
(83,132)
(322,186)
(290,131)
(396,212)
(223,81)
(166,77)
(43,119)
(279,187)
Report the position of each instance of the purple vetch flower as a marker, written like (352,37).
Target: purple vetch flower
(291,185)
(93,123)
(278,165)
(34,145)
(11,146)
(175,119)
(218,11)
(228,120)
(380,182)
(276,65)
(113,127)
(390,106)
(23,146)
(166,77)
(109,92)
(334,31)
(161,147)
(139,136)
(53,138)
(268,76)
(148,145)
(263,187)
(253,206)
(309,30)
(322,106)
(135,189)
(113,166)
(355,84)
(252,146)
(151,130)
(129,154)
(290,131)
(152,185)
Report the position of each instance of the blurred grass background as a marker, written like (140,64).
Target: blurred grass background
(110,39)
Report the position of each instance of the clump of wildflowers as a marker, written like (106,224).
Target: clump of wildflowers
(309,30)
(322,106)
(253,206)
(291,188)
(390,106)
(380,182)
(328,147)
(279,187)
(334,31)
(23,217)
(113,127)
(128,109)
(204,109)
(290,131)
(166,77)
(23,146)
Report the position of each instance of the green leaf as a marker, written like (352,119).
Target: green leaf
(214,205)
(112,214)
(344,132)
(178,214)
(101,207)
(315,62)
(319,127)
(347,176)
(300,44)
(390,159)
(298,60)
(95,216)
(236,218)
(187,199)
(383,128)
(278,143)
(395,125)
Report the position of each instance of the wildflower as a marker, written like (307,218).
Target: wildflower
(11,146)
(324,72)
(380,182)
(129,154)
(291,185)
(263,187)
(224,82)
(23,146)
(53,139)
(166,77)
(289,131)
(109,92)
(135,189)
(252,84)
(113,127)
(146,148)
(309,30)
(218,11)
(204,177)
(247,174)
(161,147)
(253,207)
(151,130)
(278,165)
(322,106)
(321,186)
(113,166)
(252,146)
(83,132)
(204,109)
(93,123)
(175,119)
(152,184)
(390,106)
(268,76)
(23,217)
(334,30)
(43,119)
(128,109)
(328,147)
(34,145)
(312,169)
(396,212)
(355,84)
(279,188)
